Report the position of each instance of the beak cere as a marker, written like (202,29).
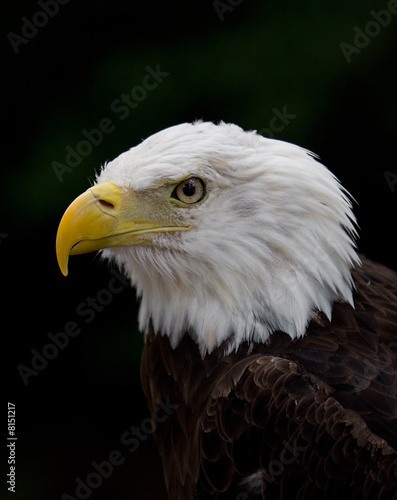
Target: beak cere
(105,217)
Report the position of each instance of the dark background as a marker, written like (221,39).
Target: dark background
(237,66)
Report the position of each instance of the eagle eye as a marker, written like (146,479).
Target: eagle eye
(190,191)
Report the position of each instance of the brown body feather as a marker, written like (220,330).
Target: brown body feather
(311,418)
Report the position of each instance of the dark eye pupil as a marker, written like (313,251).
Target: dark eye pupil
(189,189)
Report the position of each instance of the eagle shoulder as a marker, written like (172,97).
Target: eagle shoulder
(286,418)
(273,430)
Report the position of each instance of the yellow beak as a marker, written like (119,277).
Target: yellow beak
(104,217)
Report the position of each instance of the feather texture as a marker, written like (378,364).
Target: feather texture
(314,417)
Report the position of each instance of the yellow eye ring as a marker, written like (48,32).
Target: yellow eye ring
(190,191)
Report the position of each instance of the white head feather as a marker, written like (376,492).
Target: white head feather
(271,245)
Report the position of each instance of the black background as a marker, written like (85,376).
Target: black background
(237,65)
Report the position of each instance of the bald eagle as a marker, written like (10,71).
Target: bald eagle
(274,341)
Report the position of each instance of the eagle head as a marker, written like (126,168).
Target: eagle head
(225,234)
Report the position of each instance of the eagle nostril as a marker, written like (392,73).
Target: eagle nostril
(106,204)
